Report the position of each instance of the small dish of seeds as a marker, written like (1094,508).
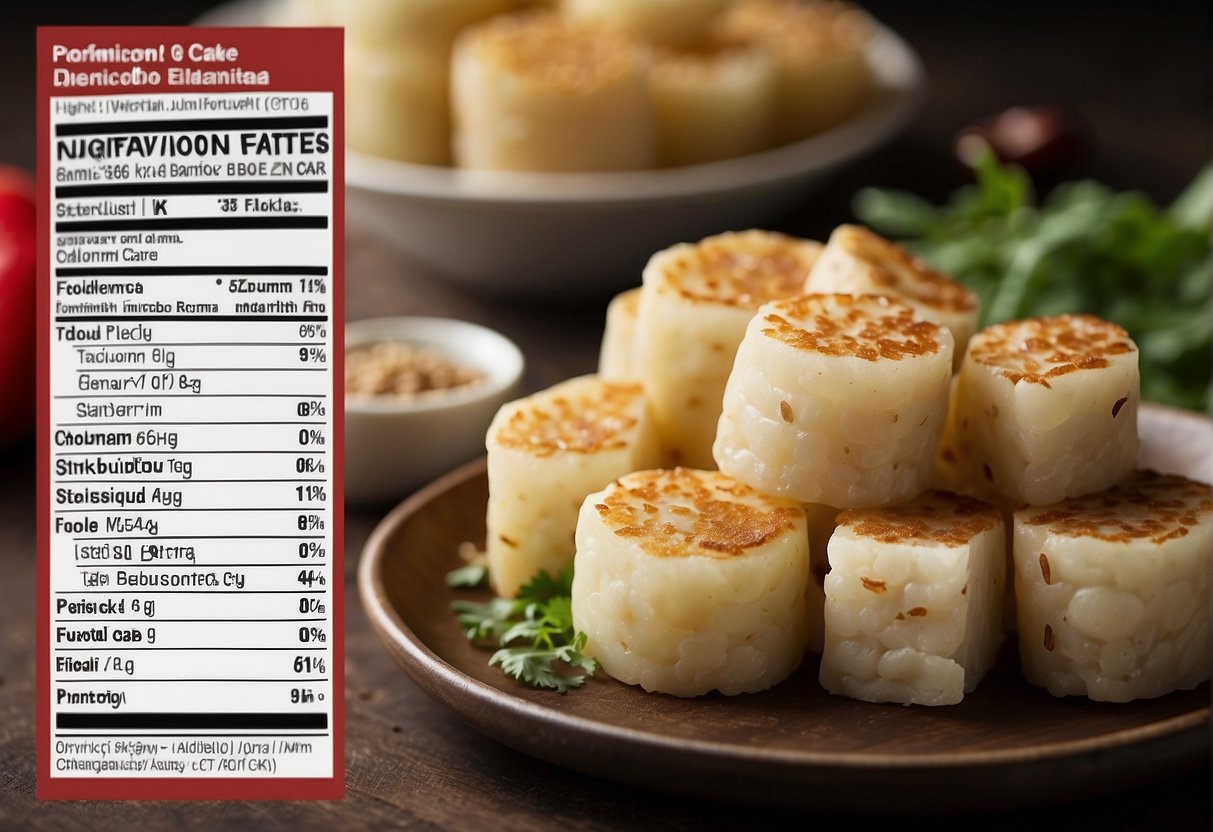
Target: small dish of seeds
(419,396)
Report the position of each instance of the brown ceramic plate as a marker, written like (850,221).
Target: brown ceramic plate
(1007,744)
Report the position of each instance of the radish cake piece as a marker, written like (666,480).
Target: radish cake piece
(859,262)
(913,608)
(1046,408)
(545,453)
(694,307)
(617,356)
(713,102)
(1112,589)
(819,46)
(836,399)
(534,91)
(689,581)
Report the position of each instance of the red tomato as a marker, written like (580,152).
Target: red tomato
(17,260)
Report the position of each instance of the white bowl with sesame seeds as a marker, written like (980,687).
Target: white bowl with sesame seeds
(420,393)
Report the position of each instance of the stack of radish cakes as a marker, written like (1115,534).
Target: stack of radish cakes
(801,448)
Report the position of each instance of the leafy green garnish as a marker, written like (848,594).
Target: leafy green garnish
(1086,248)
(472,576)
(534,632)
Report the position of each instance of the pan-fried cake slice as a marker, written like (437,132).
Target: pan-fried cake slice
(858,262)
(836,399)
(398,103)
(1112,589)
(667,22)
(534,91)
(689,581)
(617,356)
(545,453)
(1046,408)
(694,306)
(405,24)
(713,102)
(823,73)
(913,608)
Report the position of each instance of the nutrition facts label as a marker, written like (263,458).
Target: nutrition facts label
(191,327)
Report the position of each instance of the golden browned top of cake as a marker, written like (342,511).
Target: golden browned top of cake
(798,29)
(684,512)
(934,517)
(583,415)
(1039,349)
(893,269)
(708,60)
(741,268)
(871,327)
(1148,505)
(553,52)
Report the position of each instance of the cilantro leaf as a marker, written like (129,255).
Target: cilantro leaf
(1086,248)
(473,575)
(534,632)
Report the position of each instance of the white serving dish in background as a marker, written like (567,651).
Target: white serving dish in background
(583,235)
(587,235)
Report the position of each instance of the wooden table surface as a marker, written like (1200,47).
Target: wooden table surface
(1139,73)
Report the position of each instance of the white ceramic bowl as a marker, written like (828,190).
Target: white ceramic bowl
(393,446)
(580,235)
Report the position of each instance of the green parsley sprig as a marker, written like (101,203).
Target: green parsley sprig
(534,633)
(1086,248)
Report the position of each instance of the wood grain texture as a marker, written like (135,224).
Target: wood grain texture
(794,746)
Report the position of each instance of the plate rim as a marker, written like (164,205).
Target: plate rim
(899,94)
(441,679)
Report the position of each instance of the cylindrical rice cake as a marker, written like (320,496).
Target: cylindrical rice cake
(667,22)
(858,262)
(617,356)
(533,91)
(406,24)
(836,399)
(1046,408)
(713,102)
(1113,589)
(822,520)
(913,609)
(689,581)
(398,103)
(823,73)
(694,306)
(545,453)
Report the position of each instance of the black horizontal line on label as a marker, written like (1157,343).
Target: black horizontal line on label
(186,620)
(142,509)
(96,370)
(188,396)
(147,451)
(295,565)
(187,482)
(213,537)
(188,592)
(177,271)
(192,720)
(126,649)
(98,128)
(192,224)
(260,186)
(209,422)
(207,735)
(127,681)
(60,319)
